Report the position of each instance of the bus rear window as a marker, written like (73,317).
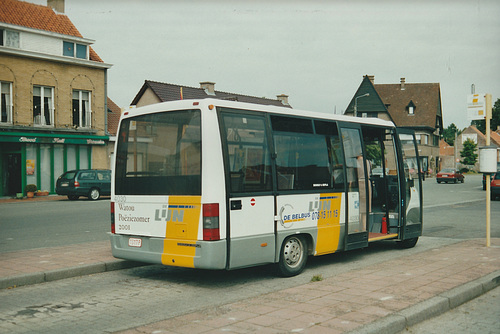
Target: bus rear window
(159,154)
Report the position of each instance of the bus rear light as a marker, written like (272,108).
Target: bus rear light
(113,217)
(211,222)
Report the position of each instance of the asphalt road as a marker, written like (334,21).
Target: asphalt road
(29,225)
(118,300)
(458,210)
(450,211)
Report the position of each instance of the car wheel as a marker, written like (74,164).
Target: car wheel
(94,194)
(408,243)
(73,197)
(293,256)
(438,181)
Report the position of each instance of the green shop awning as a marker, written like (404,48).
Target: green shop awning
(50,138)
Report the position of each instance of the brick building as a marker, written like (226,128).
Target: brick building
(53,97)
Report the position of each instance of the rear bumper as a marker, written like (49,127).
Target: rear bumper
(446,179)
(185,253)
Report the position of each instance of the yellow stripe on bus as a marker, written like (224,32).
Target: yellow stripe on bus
(179,246)
(328,223)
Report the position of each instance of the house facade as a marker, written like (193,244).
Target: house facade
(53,97)
(415,106)
(472,133)
(155,92)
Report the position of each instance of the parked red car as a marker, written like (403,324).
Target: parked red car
(449,175)
(495,186)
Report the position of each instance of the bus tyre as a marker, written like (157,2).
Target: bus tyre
(293,256)
(408,243)
(94,194)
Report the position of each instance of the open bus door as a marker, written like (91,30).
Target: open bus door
(357,187)
(410,188)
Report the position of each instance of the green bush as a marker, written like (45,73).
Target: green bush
(30,188)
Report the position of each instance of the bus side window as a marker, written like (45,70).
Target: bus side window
(247,152)
(330,135)
(307,157)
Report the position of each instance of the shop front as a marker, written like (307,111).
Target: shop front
(40,158)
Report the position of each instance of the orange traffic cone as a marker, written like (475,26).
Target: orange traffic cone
(384,225)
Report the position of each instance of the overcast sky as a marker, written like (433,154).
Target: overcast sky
(314,51)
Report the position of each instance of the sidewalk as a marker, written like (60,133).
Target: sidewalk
(382,298)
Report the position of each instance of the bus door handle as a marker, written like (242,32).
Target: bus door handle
(236,204)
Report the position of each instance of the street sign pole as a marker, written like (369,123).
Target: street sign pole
(488,181)
(479,107)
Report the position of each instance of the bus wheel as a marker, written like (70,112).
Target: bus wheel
(94,194)
(293,256)
(408,243)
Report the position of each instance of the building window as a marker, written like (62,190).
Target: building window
(11,39)
(1,37)
(43,105)
(68,49)
(5,102)
(410,108)
(74,50)
(81,109)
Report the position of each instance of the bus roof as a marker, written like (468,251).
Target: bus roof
(204,103)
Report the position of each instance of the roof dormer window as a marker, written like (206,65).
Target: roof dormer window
(74,50)
(410,108)
(9,38)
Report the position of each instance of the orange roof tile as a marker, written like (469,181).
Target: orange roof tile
(114,113)
(445,148)
(39,17)
(36,16)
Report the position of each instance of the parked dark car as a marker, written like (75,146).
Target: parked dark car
(91,183)
(495,186)
(449,175)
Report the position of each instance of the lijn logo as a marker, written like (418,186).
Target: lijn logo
(174,215)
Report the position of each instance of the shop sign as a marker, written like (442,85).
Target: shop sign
(51,140)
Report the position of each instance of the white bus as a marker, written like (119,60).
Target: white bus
(220,184)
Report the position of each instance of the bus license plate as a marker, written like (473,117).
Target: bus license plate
(135,242)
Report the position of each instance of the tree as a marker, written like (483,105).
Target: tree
(449,134)
(494,122)
(468,154)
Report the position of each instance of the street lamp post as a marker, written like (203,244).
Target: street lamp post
(356,103)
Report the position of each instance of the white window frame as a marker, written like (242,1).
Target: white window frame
(75,52)
(12,39)
(411,110)
(9,103)
(41,121)
(88,113)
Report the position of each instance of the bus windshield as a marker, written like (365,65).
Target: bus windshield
(159,154)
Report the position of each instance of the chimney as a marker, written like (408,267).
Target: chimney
(372,78)
(56,5)
(402,83)
(208,86)
(283,99)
